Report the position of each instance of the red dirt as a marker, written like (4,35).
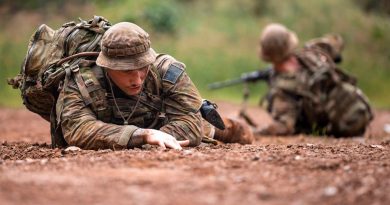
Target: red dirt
(274,170)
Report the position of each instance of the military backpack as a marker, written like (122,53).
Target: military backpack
(330,100)
(49,56)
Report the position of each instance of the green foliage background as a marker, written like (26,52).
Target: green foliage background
(216,39)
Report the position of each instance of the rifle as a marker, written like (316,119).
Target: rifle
(245,78)
(250,77)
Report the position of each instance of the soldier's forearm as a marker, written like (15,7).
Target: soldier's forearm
(186,129)
(94,134)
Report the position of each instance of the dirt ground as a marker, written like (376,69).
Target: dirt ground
(274,170)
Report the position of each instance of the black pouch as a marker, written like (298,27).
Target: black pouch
(210,114)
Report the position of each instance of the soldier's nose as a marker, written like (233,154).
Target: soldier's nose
(137,78)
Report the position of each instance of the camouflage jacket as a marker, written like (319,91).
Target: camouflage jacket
(169,102)
(317,99)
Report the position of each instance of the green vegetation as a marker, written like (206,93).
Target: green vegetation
(218,39)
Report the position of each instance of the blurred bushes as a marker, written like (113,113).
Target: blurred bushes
(17,5)
(260,7)
(216,39)
(162,15)
(375,6)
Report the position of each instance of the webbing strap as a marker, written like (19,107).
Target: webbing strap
(151,100)
(97,92)
(159,85)
(81,85)
(77,55)
(61,100)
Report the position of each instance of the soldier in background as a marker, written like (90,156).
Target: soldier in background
(133,96)
(308,93)
(330,44)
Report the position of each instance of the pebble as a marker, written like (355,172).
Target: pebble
(377,146)
(147,147)
(330,191)
(19,161)
(72,149)
(43,161)
(29,149)
(347,168)
(297,157)
(270,158)
(310,145)
(104,151)
(255,158)
(386,128)
(187,152)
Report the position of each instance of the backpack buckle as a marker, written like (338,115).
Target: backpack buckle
(75,68)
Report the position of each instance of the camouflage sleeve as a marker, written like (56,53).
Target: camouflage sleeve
(81,128)
(182,103)
(284,111)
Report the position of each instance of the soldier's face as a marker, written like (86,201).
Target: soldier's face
(129,81)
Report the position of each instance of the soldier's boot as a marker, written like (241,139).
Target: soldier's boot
(235,132)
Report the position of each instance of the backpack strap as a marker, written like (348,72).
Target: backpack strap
(90,88)
(313,59)
(159,98)
(95,86)
(81,84)
(67,76)
(75,70)
(171,75)
(57,139)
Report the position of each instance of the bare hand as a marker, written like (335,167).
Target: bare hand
(162,139)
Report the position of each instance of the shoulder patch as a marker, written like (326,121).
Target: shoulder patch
(173,73)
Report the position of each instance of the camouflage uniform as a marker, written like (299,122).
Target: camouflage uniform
(308,93)
(318,99)
(331,44)
(83,127)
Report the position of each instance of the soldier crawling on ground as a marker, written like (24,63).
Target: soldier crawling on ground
(132,96)
(331,44)
(308,93)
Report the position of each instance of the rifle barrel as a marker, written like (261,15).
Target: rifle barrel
(225,83)
(249,77)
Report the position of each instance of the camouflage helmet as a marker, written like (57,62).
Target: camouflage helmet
(277,43)
(332,44)
(125,46)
